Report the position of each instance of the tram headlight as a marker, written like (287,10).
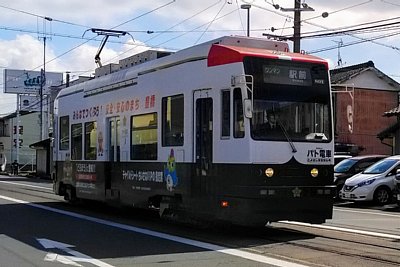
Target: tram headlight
(269,172)
(314,172)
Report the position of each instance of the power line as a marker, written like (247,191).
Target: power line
(169,31)
(315,25)
(390,3)
(356,25)
(340,10)
(352,30)
(144,14)
(240,17)
(357,42)
(209,24)
(183,21)
(193,30)
(43,17)
(75,47)
(319,16)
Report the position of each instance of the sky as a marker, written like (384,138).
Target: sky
(176,24)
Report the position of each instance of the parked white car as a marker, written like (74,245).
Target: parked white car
(375,183)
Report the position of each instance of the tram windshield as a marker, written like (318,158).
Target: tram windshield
(291,100)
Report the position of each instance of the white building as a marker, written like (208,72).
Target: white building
(29,133)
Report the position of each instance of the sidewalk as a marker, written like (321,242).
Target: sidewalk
(24,175)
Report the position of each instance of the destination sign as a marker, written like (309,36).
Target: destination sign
(287,75)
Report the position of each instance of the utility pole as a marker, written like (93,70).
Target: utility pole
(42,83)
(17,130)
(43,80)
(296,29)
(298,8)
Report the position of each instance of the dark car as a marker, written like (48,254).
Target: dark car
(339,158)
(351,166)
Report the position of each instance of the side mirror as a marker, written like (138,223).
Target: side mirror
(248,110)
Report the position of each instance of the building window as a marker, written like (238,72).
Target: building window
(238,114)
(76,141)
(90,140)
(64,133)
(144,137)
(172,120)
(226,113)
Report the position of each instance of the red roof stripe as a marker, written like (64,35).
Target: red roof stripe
(221,55)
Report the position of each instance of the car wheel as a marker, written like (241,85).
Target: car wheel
(382,196)
(339,187)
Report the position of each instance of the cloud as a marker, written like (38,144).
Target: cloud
(23,52)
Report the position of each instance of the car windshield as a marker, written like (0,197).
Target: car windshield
(345,165)
(380,166)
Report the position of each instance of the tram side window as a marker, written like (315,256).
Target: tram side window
(238,114)
(226,113)
(144,137)
(90,140)
(64,133)
(76,141)
(172,120)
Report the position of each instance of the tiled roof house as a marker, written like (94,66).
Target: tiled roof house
(362,94)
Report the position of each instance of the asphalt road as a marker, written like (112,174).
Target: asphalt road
(36,233)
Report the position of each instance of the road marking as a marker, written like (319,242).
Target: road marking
(69,260)
(348,230)
(53,257)
(367,212)
(27,185)
(199,244)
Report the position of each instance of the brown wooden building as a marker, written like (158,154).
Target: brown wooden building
(362,94)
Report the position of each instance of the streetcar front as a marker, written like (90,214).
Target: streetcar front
(289,110)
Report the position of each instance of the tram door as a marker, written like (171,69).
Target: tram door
(204,136)
(113,139)
(113,144)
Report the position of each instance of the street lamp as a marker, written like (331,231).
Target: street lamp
(247,6)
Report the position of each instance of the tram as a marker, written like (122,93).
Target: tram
(235,130)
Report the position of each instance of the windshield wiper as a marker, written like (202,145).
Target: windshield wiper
(294,150)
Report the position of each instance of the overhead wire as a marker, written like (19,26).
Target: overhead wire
(317,25)
(162,32)
(357,42)
(336,32)
(351,26)
(390,3)
(43,17)
(183,21)
(330,13)
(209,24)
(167,30)
(144,14)
(90,39)
(194,29)
(240,17)
(340,10)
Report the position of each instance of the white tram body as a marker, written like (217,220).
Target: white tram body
(184,133)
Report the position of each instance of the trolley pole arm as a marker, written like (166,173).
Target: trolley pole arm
(97,56)
(106,33)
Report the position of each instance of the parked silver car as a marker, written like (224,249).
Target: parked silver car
(396,190)
(375,183)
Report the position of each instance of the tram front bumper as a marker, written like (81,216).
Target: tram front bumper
(303,204)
